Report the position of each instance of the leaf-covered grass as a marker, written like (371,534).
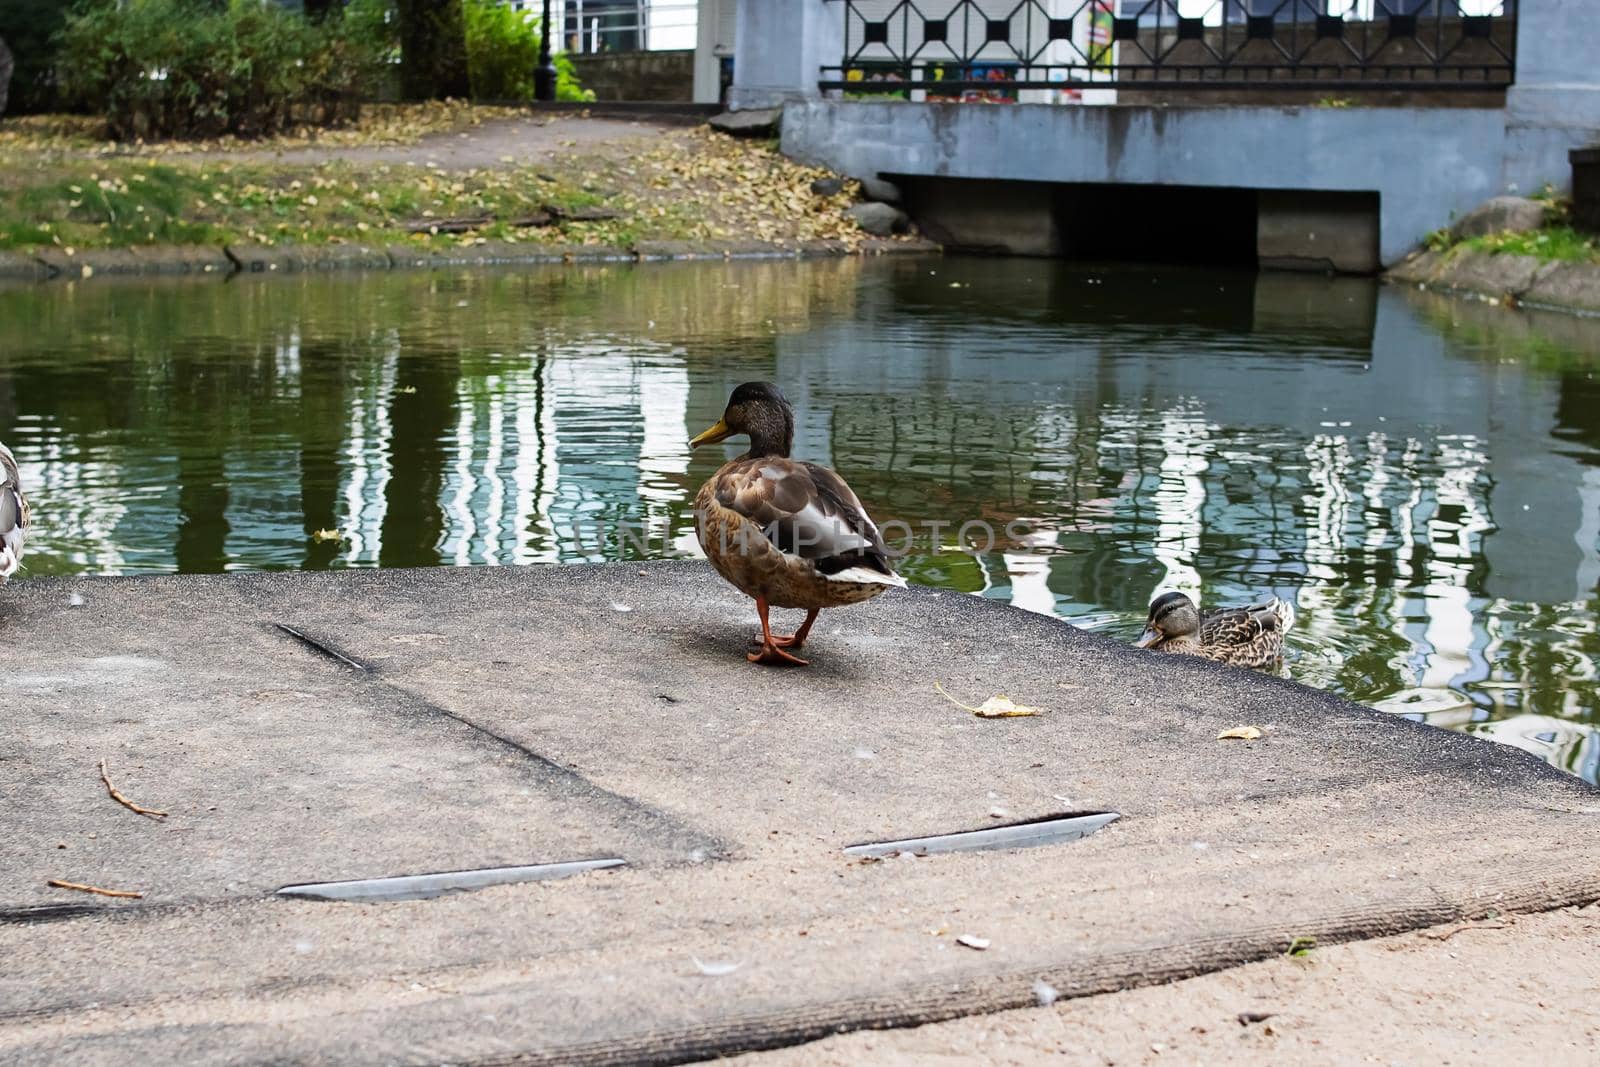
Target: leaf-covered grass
(105,209)
(692,185)
(125,203)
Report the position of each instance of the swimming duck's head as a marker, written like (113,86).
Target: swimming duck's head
(1171,615)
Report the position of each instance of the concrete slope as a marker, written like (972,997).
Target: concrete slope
(305,728)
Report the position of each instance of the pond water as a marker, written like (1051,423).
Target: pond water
(1420,476)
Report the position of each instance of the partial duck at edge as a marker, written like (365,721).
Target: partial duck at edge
(13,515)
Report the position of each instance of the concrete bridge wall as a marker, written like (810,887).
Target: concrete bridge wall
(1424,164)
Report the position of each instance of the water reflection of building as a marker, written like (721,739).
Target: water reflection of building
(1319,472)
(363,487)
(549,458)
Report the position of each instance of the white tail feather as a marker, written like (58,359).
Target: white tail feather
(1275,606)
(867,576)
(10,552)
(13,515)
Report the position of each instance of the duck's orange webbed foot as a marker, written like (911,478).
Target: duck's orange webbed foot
(772,645)
(780,640)
(796,639)
(773,656)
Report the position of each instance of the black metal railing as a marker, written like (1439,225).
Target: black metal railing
(991,49)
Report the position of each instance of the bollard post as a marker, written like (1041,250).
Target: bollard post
(544,78)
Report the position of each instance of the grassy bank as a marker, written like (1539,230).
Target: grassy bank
(128,203)
(62,186)
(1555,242)
(1555,266)
(1558,243)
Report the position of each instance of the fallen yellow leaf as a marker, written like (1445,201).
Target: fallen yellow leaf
(1240,733)
(1001,707)
(996,707)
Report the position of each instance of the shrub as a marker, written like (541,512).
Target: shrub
(198,68)
(503,53)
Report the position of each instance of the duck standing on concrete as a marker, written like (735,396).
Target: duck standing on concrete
(790,534)
(13,515)
(1240,637)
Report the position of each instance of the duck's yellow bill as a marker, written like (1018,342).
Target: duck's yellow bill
(719,432)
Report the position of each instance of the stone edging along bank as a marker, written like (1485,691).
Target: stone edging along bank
(54,263)
(1503,276)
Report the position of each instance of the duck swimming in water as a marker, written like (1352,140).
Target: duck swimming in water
(1240,637)
(13,515)
(788,533)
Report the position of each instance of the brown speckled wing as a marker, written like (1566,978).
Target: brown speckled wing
(806,510)
(1242,637)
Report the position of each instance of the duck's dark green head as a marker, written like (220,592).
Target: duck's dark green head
(1171,615)
(759,410)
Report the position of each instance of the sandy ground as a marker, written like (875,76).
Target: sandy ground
(1516,990)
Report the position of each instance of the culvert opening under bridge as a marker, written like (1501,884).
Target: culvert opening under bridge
(1271,229)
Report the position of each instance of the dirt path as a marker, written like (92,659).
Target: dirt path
(518,141)
(1518,990)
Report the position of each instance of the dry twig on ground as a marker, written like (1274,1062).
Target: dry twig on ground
(124,801)
(80,887)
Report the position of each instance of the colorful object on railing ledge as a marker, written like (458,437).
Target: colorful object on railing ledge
(953,48)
